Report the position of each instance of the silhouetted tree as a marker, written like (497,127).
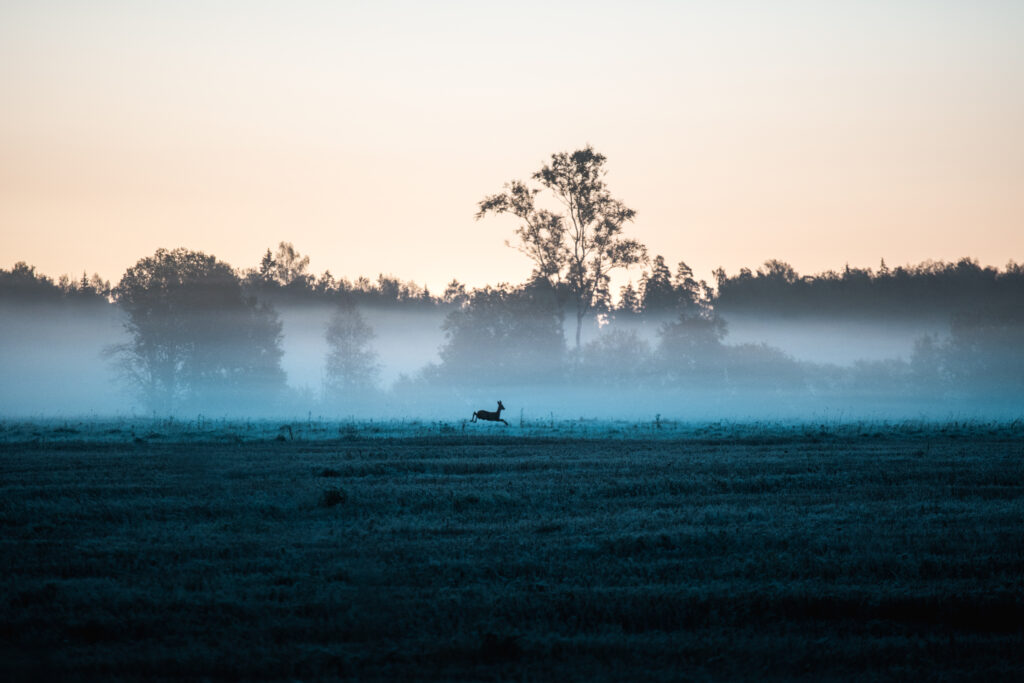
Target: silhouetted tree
(927,290)
(692,296)
(196,338)
(779,271)
(577,249)
(455,293)
(629,301)
(665,294)
(266,267)
(352,367)
(23,285)
(289,266)
(282,278)
(657,294)
(502,333)
(325,284)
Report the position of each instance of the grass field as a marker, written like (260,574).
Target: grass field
(152,550)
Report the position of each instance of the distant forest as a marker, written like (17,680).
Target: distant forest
(495,333)
(203,334)
(930,289)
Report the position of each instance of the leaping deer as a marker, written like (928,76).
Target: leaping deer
(490,415)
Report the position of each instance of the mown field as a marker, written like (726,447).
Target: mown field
(149,551)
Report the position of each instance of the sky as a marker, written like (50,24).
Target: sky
(365,133)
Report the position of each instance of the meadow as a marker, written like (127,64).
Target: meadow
(572,550)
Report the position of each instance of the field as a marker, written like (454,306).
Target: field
(164,550)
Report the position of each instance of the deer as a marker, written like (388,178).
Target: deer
(490,415)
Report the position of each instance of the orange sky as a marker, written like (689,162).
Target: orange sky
(365,133)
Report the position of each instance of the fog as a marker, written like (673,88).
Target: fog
(51,362)
(405,341)
(818,339)
(57,362)
(834,340)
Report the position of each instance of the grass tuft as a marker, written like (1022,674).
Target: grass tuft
(332,497)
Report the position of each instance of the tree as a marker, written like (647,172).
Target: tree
(455,293)
(266,269)
(780,271)
(691,294)
(662,293)
(690,348)
(389,288)
(352,367)
(196,338)
(985,351)
(576,250)
(21,284)
(657,293)
(325,284)
(284,267)
(629,301)
(502,334)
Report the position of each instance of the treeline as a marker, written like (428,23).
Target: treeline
(281,277)
(929,289)
(933,289)
(513,332)
(205,336)
(23,285)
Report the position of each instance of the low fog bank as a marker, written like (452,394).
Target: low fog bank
(824,340)
(832,339)
(443,364)
(404,342)
(52,361)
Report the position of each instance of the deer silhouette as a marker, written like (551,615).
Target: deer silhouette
(490,415)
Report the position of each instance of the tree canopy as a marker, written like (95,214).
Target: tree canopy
(503,334)
(574,250)
(196,338)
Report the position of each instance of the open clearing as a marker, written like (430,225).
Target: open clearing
(572,551)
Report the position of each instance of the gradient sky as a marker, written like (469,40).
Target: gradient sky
(819,133)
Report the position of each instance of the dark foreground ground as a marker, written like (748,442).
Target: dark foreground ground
(714,552)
